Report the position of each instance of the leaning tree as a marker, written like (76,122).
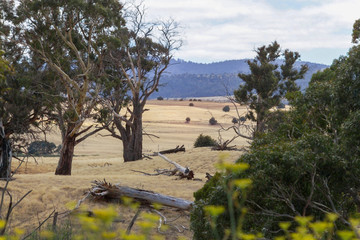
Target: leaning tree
(135,66)
(70,38)
(264,87)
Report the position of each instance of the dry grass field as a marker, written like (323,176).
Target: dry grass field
(100,157)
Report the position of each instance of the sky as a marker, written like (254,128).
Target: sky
(218,30)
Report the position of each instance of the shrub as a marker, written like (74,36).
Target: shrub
(160,98)
(58,148)
(191,104)
(204,141)
(187,120)
(235,120)
(242,119)
(181,99)
(212,121)
(39,148)
(226,108)
(278,169)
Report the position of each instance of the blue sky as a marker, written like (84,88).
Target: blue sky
(214,30)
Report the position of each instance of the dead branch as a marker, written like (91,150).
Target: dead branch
(147,156)
(167,172)
(173,150)
(149,174)
(186,172)
(40,225)
(209,176)
(81,201)
(128,230)
(107,191)
(11,208)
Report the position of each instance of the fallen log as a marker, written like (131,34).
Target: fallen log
(174,150)
(104,190)
(186,172)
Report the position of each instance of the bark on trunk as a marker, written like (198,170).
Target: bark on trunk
(5,164)
(5,154)
(66,156)
(133,137)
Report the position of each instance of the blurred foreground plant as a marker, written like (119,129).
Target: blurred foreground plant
(222,202)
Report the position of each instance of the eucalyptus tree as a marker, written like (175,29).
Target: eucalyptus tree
(309,166)
(70,38)
(136,67)
(264,87)
(21,103)
(356,32)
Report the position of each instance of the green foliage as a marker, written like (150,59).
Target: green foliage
(234,120)
(204,141)
(242,119)
(210,217)
(40,148)
(275,120)
(160,98)
(4,66)
(210,194)
(212,121)
(23,102)
(356,32)
(307,165)
(226,108)
(264,87)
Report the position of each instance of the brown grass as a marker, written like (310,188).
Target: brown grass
(101,158)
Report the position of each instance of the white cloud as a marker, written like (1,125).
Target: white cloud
(230,29)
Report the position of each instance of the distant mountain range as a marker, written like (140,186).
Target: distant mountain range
(188,79)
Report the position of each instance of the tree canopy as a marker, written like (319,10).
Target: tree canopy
(136,67)
(267,84)
(70,38)
(307,166)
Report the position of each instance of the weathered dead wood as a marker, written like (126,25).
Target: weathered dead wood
(40,225)
(174,150)
(104,190)
(208,176)
(186,172)
(166,172)
(223,146)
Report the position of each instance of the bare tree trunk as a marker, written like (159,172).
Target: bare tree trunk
(5,154)
(66,155)
(133,140)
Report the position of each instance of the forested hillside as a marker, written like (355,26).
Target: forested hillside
(189,79)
